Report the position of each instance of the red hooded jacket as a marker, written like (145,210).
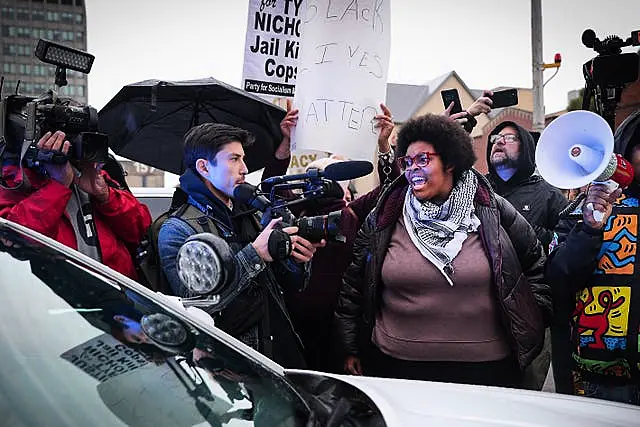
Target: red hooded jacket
(121,222)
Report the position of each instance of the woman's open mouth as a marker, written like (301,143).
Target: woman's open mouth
(418,181)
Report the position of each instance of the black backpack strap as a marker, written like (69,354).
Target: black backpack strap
(193,216)
(148,253)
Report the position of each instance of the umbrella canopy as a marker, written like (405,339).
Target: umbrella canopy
(147,121)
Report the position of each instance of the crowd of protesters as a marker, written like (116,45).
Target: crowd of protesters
(444,274)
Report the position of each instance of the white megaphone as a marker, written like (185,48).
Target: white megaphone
(576,149)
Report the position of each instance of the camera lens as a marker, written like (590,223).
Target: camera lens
(316,228)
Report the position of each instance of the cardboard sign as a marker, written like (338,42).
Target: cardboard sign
(104,357)
(271,47)
(342,75)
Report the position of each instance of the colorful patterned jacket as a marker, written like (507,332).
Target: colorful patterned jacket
(599,271)
(595,279)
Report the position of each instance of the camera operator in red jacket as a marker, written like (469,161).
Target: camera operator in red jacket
(77,204)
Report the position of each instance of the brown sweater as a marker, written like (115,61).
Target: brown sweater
(423,318)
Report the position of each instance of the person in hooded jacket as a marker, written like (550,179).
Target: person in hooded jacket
(594,272)
(511,162)
(254,311)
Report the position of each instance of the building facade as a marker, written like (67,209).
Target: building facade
(22,24)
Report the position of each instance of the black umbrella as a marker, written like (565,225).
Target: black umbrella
(147,121)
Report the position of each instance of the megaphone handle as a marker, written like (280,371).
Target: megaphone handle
(611,186)
(597,215)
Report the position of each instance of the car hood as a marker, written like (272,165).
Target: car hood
(421,403)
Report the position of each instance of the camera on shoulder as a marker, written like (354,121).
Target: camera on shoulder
(609,72)
(25,119)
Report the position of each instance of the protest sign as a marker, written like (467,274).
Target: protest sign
(342,75)
(271,48)
(104,357)
(300,160)
(271,57)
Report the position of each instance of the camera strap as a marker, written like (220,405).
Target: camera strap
(225,230)
(81,215)
(4,156)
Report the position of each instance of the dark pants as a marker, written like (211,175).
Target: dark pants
(536,373)
(617,393)
(499,373)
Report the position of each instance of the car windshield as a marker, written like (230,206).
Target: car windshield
(80,349)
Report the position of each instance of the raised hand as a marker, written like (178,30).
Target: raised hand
(384,122)
(286,125)
(289,121)
(482,104)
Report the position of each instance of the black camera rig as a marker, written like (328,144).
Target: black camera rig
(313,186)
(606,74)
(24,119)
(313,228)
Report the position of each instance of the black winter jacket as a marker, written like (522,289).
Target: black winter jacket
(537,201)
(516,257)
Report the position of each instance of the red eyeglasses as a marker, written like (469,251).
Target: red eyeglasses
(421,159)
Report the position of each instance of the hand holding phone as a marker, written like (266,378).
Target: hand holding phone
(449,96)
(504,98)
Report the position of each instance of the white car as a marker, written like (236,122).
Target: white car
(82,345)
(158,200)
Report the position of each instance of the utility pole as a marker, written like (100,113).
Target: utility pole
(537,65)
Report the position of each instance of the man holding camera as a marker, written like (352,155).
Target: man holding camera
(256,313)
(78,205)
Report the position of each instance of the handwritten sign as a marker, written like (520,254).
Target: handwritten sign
(342,75)
(271,47)
(104,357)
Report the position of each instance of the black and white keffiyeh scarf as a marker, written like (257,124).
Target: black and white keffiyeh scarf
(438,231)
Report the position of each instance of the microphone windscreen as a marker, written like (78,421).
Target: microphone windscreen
(246,193)
(344,171)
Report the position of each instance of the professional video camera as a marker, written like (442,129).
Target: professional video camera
(608,73)
(23,119)
(314,184)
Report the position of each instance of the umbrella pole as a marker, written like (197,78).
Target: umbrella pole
(195,119)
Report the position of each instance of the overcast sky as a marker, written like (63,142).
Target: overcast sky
(487,42)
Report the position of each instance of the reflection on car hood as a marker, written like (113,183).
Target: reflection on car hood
(421,403)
